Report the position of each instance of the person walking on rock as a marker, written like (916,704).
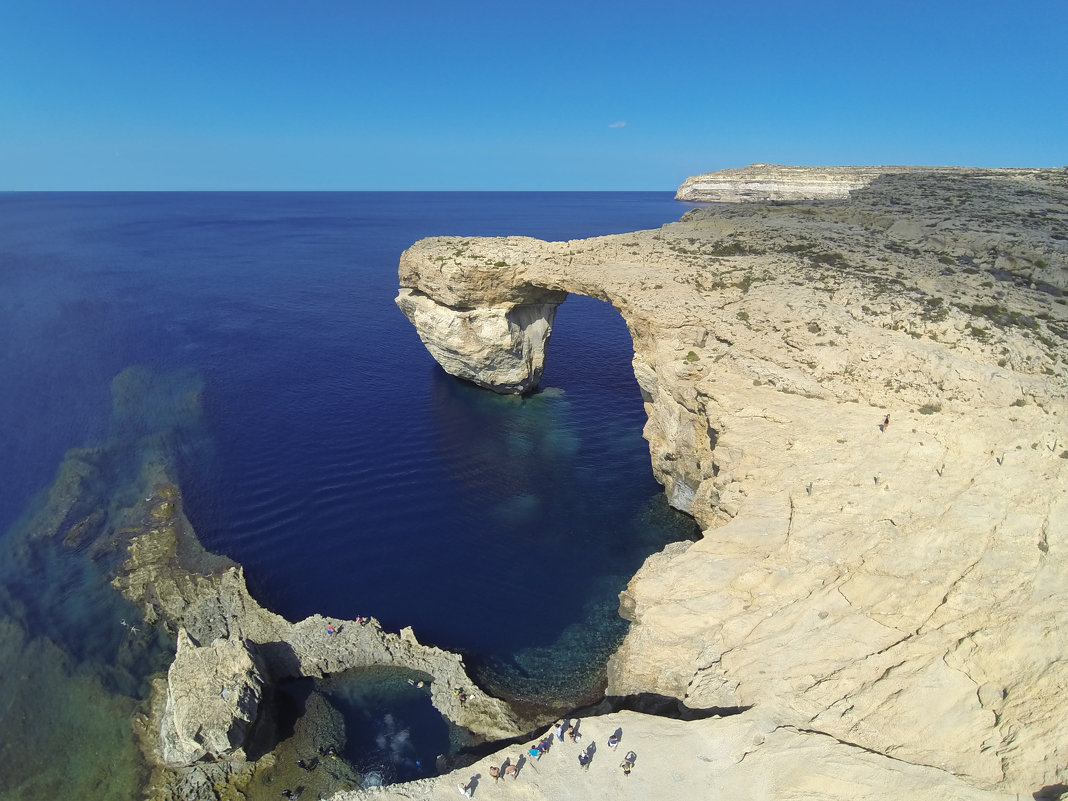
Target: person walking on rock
(586,757)
(468,789)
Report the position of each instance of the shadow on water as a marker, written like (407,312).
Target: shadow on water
(363,728)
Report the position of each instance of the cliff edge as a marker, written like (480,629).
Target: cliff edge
(862,402)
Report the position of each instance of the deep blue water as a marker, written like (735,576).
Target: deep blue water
(335,460)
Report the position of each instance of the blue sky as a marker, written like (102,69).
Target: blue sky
(412,95)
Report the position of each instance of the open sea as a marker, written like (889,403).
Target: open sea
(329,455)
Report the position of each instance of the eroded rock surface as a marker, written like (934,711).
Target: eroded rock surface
(740,757)
(481,323)
(167,574)
(213,699)
(895,587)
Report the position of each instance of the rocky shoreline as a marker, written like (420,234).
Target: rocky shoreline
(210,727)
(860,399)
(862,402)
(227,640)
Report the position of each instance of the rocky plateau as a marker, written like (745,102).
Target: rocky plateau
(860,395)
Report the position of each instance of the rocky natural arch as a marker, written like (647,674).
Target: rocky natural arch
(862,403)
(484,308)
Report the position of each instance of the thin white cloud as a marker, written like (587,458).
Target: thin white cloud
(620,124)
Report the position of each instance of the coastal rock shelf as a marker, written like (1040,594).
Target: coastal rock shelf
(230,648)
(862,403)
(211,726)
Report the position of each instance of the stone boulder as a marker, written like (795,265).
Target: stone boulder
(213,699)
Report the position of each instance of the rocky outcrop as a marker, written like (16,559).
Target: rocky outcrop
(479,321)
(213,699)
(759,183)
(500,348)
(179,585)
(862,402)
(210,729)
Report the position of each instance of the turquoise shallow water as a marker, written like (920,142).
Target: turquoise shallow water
(326,451)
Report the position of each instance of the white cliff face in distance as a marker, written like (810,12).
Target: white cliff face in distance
(862,401)
(782,183)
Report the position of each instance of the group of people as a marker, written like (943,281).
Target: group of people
(559,730)
(535,751)
(330,627)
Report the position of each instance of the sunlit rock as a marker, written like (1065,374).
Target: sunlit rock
(862,402)
(213,699)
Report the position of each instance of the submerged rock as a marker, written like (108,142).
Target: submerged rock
(213,723)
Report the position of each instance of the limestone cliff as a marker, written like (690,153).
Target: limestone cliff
(781,183)
(862,402)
